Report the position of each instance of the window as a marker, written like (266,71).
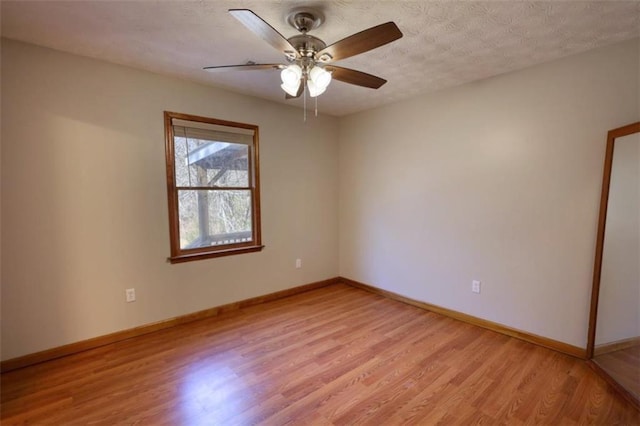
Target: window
(212,187)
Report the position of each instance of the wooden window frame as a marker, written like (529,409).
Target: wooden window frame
(178,254)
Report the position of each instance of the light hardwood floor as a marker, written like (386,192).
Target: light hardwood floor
(336,355)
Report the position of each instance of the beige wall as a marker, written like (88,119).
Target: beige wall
(498,180)
(84,207)
(619,301)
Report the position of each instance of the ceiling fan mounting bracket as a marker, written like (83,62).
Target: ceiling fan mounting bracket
(305,19)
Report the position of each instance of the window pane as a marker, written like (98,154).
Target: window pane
(201,162)
(213,218)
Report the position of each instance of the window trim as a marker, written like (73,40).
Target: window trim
(179,255)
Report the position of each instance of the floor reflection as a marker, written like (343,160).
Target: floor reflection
(212,393)
(623,366)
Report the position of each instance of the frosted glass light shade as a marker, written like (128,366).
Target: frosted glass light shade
(291,75)
(320,77)
(292,90)
(314,89)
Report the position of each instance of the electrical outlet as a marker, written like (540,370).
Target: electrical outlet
(130,294)
(298,263)
(475,286)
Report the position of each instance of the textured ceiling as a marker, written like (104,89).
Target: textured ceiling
(445,43)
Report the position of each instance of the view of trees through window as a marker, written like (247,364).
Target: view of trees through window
(218,209)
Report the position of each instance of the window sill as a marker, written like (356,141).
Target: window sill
(219,253)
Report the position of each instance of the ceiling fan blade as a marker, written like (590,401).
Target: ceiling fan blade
(358,78)
(243,67)
(360,42)
(300,90)
(265,31)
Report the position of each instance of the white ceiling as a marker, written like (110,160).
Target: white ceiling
(445,43)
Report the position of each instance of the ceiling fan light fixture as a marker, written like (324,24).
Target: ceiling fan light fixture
(320,77)
(290,89)
(291,75)
(314,89)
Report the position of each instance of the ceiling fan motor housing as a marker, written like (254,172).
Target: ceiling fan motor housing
(307,45)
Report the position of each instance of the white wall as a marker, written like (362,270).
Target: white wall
(84,205)
(619,301)
(497,180)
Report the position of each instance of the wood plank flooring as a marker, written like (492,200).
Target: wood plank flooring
(331,356)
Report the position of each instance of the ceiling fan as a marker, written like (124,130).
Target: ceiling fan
(309,59)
